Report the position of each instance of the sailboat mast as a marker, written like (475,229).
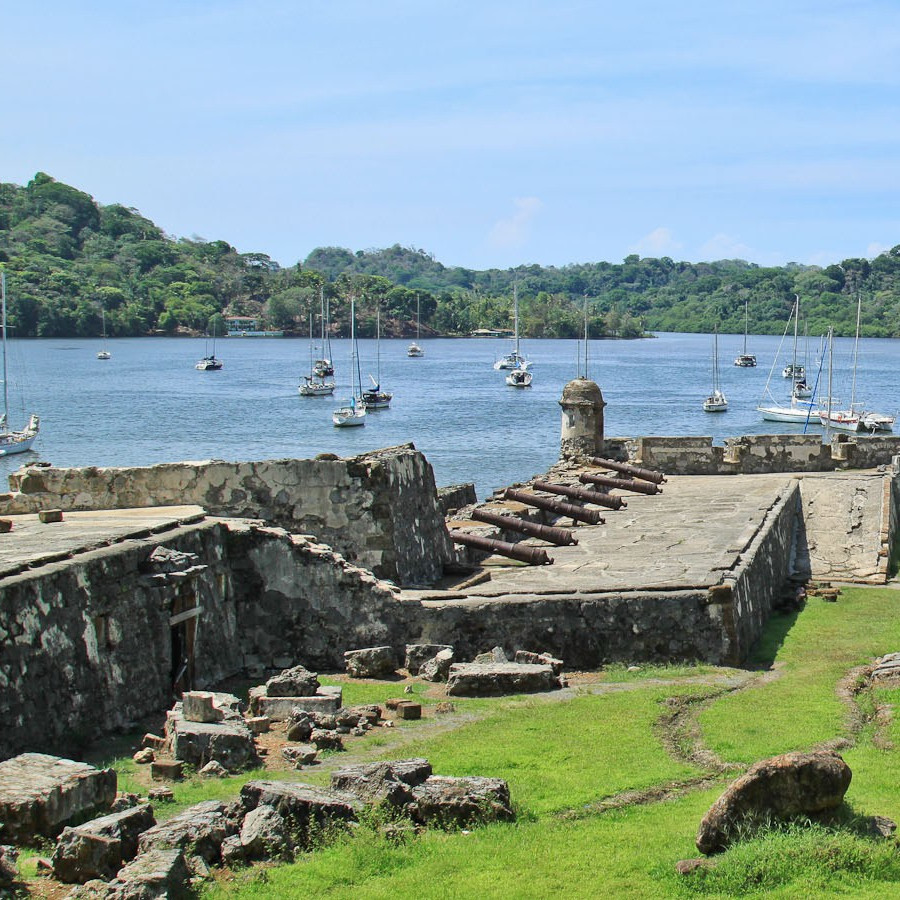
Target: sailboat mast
(516,314)
(5,378)
(378,341)
(855,352)
(830,374)
(586,375)
(716,359)
(418,300)
(796,319)
(322,314)
(745,327)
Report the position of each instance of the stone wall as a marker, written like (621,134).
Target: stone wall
(749,594)
(86,645)
(762,453)
(379,509)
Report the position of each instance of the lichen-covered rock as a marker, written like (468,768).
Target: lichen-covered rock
(371,662)
(39,794)
(783,787)
(264,834)
(438,667)
(416,654)
(295,682)
(494,679)
(325,739)
(156,875)
(308,810)
(229,742)
(98,848)
(456,802)
(383,782)
(199,830)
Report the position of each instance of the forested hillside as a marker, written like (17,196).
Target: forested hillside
(66,257)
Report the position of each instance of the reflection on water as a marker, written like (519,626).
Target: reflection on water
(148,404)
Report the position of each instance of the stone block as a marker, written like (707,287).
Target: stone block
(40,794)
(259,724)
(198,831)
(98,848)
(295,682)
(161,795)
(445,801)
(48,516)
(264,834)
(438,667)
(494,679)
(196,743)
(5,526)
(166,770)
(371,662)
(300,755)
(307,809)
(416,654)
(198,706)
(158,873)
(326,700)
(540,659)
(382,782)
(409,710)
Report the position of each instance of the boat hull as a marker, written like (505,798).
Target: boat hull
(745,361)
(316,389)
(795,414)
(348,417)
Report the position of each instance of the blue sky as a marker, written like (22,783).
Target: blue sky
(488,134)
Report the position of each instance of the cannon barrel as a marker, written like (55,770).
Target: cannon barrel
(623,484)
(579,493)
(536,556)
(628,469)
(558,536)
(561,508)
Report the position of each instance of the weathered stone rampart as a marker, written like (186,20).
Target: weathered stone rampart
(760,454)
(379,509)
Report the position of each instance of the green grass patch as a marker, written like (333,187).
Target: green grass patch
(812,651)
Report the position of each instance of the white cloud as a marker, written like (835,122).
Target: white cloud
(514,231)
(659,242)
(724,246)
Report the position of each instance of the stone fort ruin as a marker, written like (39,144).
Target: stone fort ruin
(162,578)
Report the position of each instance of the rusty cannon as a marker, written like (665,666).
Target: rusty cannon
(623,484)
(535,556)
(559,536)
(628,469)
(579,493)
(560,507)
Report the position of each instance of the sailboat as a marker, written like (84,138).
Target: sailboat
(520,378)
(854,419)
(801,410)
(352,412)
(103,353)
(414,351)
(13,441)
(514,360)
(375,397)
(323,367)
(314,385)
(210,363)
(716,401)
(745,360)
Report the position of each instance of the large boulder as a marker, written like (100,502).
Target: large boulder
(383,782)
(264,834)
(783,787)
(445,801)
(40,794)
(229,742)
(416,654)
(295,682)
(98,848)
(438,667)
(494,679)
(156,875)
(308,810)
(198,831)
(371,662)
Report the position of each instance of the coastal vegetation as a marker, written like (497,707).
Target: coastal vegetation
(67,257)
(611,779)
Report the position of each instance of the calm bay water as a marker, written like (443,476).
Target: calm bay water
(148,404)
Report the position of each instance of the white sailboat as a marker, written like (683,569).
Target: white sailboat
(352,412)
(802,408)
(374,397)
(520,378)
(210,363)
(856,418)
(323,367)
(744,359)
(103,353)
(514,360)
(13,441)
(414,351)
(314,385)
(716,401)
